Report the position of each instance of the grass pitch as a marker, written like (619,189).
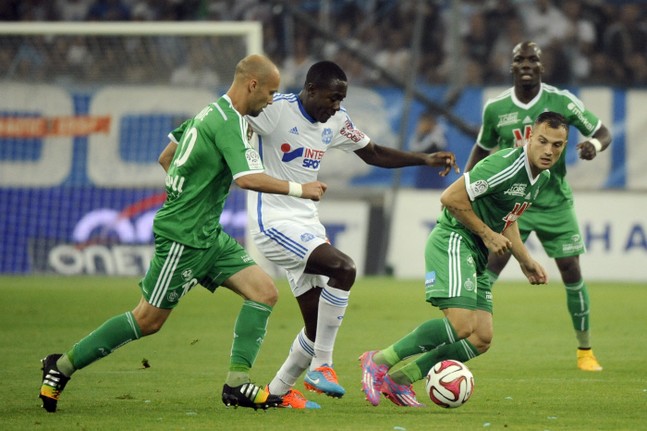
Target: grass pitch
(527,381)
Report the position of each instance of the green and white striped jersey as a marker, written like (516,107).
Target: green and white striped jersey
(501,188)
(213,150)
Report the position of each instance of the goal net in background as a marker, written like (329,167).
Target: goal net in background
(84,114)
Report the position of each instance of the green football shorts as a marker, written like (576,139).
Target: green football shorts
(176,268)
(452,279)
(557,230)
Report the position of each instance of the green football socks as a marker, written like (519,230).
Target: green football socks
(424,338)
(579,306)
(249,333)
(114,333)
(461,351)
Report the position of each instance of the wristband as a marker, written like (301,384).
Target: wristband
(295,189)
(596,144)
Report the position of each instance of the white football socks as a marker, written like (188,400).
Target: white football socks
(332,308)
(295,364)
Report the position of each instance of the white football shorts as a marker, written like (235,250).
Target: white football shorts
(289,246)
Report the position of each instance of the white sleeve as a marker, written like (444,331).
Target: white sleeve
(347,137)
(266,121)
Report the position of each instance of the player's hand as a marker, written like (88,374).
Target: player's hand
(586,150)
(535,273)
(443,159)
(497,243)
(314,190)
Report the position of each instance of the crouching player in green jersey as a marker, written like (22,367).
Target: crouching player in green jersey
(506,121)
(190,245)
(479,217)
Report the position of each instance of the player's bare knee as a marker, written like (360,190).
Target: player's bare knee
(464,327)
(149,326)
(484,344)
(483,347)
(569,268)
(266,294)
(464,331)
(463,321)
(344,273)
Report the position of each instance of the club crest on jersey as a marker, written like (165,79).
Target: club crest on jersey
(311,158)
(307,237)
(326,136)
(517,189)
(507,119)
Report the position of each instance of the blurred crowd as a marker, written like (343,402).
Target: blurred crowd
(467,42)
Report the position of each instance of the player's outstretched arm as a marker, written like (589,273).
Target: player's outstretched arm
(384,157)
(266,184)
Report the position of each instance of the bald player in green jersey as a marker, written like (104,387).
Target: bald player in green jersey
(506,123)
(479,218)
(190,246)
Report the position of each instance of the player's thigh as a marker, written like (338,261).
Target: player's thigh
(450,279)
(558,231)
(253,283)
(290,246)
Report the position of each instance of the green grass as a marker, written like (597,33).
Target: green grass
(527,381)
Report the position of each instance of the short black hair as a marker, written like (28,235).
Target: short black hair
(527,43)
(322,73)
(553,119)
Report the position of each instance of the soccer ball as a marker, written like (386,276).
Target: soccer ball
(449,384)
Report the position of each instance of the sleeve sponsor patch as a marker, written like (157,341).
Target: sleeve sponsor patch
(351,133)
(253,159)
(479,187)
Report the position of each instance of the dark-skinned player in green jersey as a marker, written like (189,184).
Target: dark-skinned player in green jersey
(190,246)
(506,121)
(479,218)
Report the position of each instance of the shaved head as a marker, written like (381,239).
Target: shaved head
(255,81)
(255,66)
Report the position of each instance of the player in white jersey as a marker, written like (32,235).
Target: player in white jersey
(294,134)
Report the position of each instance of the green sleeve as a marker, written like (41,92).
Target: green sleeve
(580,117)
(239,155)
(488,137)
(177,133)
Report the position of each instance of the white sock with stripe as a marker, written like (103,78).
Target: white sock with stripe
(296,363)
(332,308)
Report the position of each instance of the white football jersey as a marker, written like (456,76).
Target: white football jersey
(292,145)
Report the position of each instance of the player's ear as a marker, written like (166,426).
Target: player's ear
(253,83)
(310,87)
